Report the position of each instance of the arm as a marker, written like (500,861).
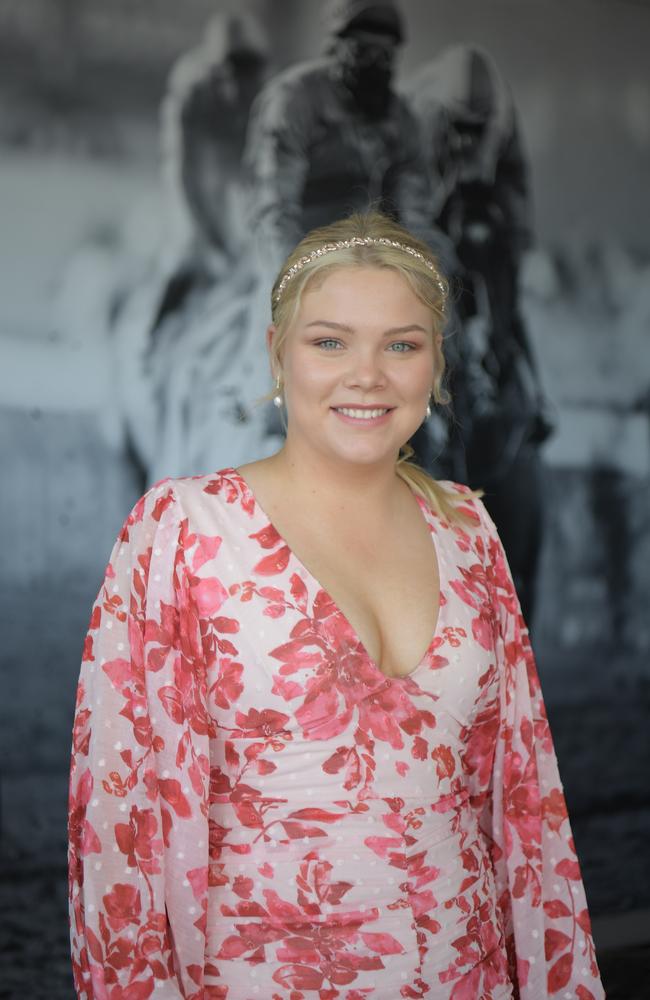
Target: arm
(538,881)
(138,827)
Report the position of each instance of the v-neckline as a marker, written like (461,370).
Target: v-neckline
(428,515)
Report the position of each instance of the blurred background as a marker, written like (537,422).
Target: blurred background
(148,193)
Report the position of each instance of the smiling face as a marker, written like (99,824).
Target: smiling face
(357,366)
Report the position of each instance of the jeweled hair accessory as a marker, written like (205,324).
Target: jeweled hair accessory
(354,241)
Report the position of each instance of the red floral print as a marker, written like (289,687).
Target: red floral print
(257,813)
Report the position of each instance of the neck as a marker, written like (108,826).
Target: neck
(335,486)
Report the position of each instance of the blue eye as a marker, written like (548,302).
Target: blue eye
(329,340)
(398,347)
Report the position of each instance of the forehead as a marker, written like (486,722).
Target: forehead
(363,294)
(338,282)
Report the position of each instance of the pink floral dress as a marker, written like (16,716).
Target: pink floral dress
(258,813)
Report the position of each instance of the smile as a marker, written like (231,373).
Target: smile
(362,416)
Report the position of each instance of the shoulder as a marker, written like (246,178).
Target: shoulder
(173,512)
(222,490)
(175,495)
(477,520)
(221,499)
(148,509)
(461,496)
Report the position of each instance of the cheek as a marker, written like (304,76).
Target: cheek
(416,378)
(307,372)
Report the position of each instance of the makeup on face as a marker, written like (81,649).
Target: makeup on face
(359,363)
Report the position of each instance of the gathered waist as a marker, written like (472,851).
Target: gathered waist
(380,891)
(390,827)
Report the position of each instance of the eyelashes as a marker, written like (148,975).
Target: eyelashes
(399,343)
(404,343)
(328,340)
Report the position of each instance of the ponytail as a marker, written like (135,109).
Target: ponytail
(445,502)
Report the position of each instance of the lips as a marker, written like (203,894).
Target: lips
(363,416)
(362,412)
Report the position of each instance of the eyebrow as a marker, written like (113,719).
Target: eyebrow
(410,328)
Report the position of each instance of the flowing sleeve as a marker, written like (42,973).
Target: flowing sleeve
(138,823)
(539,886)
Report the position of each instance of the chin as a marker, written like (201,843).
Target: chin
(365,456)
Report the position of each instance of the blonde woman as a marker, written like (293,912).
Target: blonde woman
(311,757)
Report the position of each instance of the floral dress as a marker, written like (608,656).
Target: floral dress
(258,813)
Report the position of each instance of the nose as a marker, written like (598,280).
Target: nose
(365,372)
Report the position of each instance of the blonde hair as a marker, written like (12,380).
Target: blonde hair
(413,260)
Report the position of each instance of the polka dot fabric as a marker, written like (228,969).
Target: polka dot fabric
(258,813)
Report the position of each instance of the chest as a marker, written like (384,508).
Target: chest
(386,585)
(309,631)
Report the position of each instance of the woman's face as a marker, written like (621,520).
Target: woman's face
(358,365)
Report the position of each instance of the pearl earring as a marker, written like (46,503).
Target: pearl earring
(277,399)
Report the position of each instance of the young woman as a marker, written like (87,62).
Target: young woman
(311,757)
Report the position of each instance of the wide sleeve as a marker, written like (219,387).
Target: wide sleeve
(138,818)
(539,886)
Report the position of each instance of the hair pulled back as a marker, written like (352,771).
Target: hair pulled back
(428,284)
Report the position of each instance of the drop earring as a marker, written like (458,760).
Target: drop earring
(427,412)
(277,399)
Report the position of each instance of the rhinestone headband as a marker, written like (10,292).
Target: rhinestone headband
(355,241)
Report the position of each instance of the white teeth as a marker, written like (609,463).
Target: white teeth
(361,414)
